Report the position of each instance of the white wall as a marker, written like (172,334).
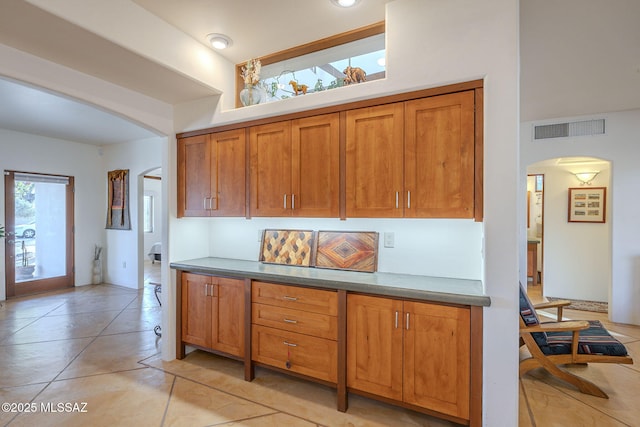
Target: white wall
(454,247)
(123,249)
(621,146)
(32,153)
(577,256)
(429,43)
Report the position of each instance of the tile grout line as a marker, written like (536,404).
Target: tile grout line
(30,323)
(523,390)
(55,378)
(169,396)
(276,410)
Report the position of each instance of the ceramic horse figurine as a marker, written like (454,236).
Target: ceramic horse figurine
(298,88)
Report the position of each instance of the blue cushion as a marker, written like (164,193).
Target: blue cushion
(530,317)
(595,340)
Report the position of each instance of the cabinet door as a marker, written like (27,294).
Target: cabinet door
(439,156)
(374,157)
(315,161)
(227,327)
(194,176)
(228,161)
(270,154)
(374,347)
(437,348)
(196,310)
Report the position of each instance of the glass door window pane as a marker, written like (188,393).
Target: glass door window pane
(40,236)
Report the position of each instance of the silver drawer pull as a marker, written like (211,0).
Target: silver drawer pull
(290,321)
(289,344)
(288,298)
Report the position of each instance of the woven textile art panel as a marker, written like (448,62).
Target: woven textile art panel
(356,251)
(289,247)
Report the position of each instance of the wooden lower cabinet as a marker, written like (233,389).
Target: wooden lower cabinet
(304,354)
(295,329)
(414,352)
(213,313)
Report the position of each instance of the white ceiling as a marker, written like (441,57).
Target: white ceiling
(577,56)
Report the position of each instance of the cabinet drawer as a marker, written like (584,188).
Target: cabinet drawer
(311,356)
(303,322)
(298,298)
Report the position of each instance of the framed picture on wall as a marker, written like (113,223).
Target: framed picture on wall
(587,204)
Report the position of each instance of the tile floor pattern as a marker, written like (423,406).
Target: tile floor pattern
(95,345)
(547,402)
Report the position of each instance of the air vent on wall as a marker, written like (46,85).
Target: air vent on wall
(562,130)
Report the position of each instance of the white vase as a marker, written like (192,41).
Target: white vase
(253,94)
(97,272)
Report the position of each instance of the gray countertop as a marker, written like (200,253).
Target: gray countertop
(428,288)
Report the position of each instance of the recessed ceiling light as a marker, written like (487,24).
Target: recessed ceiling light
(345,3)
(219,41)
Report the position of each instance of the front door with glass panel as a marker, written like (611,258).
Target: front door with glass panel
(39,233)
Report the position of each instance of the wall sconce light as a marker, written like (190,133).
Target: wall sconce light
(219,41)
(586,177)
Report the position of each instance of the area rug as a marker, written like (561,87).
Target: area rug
(597,306)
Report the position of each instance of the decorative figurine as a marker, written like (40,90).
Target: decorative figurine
(298,88)
(354,75)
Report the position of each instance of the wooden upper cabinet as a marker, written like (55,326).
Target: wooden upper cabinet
(228,165)
(315,163)
(270,169)
(194,176)
(374,161)
(211,174)
(439,156)
(416,158)
(295,167)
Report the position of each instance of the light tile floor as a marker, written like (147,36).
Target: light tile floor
(546,401)
(95,345)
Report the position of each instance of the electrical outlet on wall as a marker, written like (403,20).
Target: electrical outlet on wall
(124,264)
(389,239)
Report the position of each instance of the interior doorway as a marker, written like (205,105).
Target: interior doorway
(39,215)
(535,231)
(152,225)
(574,256)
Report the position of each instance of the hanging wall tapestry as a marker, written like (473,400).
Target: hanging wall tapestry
(118,202)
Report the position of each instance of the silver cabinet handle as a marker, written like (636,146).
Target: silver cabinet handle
(289,344)
(204,203)
(293,201)
(397,197)
(407,321)
(396,320)
(206,290)
(288,298)
(285,201)
(211,203)
(290,321)
(408,199)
